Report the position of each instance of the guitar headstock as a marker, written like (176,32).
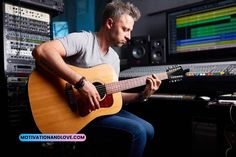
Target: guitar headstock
(176,73)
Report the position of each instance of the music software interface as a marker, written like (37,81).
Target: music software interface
(202,28)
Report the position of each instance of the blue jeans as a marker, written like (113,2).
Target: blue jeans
(140,131)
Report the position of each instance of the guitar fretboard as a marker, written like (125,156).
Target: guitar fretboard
(119,86)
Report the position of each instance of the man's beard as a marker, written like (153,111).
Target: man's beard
(119,44)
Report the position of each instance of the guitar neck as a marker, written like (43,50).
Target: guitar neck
(119,86)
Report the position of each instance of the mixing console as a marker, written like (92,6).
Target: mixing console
(196,69)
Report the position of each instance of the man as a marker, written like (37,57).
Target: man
(88,49)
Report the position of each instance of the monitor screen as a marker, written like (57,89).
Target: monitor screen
(204,32)
(59,29)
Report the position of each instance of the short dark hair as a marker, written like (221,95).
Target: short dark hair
(117,8)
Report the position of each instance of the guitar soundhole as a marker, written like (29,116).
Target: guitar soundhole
(106,99)
(101,89)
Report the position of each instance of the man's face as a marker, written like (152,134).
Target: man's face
(120,32)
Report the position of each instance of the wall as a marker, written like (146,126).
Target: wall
(100,5)
(85,15)
(155,24)
(80,15)
(68,15)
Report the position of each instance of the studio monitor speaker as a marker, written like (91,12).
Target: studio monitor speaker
(157,51)
(138,51)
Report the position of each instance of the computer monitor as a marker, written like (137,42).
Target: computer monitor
(59,29)
(203,32)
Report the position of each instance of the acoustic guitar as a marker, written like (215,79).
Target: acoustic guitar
(57,108)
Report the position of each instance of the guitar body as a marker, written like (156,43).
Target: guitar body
(49,104)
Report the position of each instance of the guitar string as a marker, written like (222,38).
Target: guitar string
(102,88)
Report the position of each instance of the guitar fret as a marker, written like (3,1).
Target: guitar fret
(125,84)
(115,87)
(162,76)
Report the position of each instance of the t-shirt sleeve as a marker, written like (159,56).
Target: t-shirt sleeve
(74,43)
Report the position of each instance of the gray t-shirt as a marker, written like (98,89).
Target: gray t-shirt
(82,50)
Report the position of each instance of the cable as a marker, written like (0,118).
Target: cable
(230,113)
(227,150)
(229,142)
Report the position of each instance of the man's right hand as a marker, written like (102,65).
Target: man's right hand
(90,94)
